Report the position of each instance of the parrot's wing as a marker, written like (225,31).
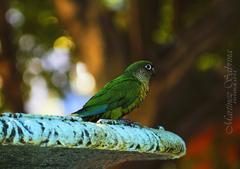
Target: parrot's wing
(120,92)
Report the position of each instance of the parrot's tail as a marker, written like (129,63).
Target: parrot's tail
(85,116)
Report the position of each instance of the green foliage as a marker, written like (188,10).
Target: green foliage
(164,33)
(209,61)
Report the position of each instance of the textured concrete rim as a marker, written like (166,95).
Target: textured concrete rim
(123,141)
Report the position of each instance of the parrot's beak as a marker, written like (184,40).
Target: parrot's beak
(153,71)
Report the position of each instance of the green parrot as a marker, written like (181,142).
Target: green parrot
(121,95)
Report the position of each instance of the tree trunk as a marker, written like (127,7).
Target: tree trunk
(9,72)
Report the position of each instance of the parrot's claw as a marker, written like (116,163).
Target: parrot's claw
(124,122)
(160,128)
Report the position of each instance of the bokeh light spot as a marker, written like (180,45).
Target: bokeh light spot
(114,4)
(26,42)
(56,60)
(43,101)
(15,17)
(34,66)
(83,82)
(208,61)
(63,42)
(164,33)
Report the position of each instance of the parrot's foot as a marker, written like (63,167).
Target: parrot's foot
(160,128)
(124,122)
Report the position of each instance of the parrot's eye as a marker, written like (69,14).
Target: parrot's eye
(148,66)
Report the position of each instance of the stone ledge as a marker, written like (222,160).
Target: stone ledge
(34,141)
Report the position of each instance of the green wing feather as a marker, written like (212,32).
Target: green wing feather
(119,93)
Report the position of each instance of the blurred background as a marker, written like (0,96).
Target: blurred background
(54,55)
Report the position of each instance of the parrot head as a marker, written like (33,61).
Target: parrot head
(142,70)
